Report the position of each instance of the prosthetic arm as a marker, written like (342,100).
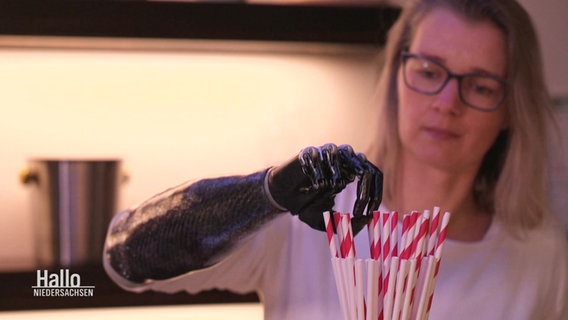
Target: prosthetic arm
(193,225)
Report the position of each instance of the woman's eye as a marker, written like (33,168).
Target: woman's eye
(428,73)
(483,90)
(486,87)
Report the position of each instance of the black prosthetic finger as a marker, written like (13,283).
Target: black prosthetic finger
(331,167)
(363,158)
(369,189)
(362,200)
(376,192)
(314,221)
(359,222)
(311,166)
(329,148)
(362,162)
(375,187)
(313,215)
(351,164)
(347,149)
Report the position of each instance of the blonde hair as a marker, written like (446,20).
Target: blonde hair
(511,183)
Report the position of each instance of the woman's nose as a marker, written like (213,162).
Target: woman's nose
(448,99)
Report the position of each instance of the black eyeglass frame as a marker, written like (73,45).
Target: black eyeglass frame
(405,55)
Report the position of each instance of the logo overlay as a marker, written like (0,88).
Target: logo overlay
(62,284)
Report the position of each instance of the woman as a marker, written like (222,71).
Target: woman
(482,158)
(464,111)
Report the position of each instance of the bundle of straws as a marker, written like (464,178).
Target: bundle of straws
(397,282)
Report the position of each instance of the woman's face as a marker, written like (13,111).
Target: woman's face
(440,130)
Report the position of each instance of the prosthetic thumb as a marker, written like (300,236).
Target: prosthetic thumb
(290,189)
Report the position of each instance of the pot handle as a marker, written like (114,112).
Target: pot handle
(28,177)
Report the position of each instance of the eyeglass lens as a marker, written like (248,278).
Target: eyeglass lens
(429,77)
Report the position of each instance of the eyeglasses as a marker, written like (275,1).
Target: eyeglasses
(479,91)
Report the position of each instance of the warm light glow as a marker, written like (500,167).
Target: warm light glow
(172,116)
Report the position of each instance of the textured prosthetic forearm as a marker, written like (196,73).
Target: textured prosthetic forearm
(193,225)
(188,227)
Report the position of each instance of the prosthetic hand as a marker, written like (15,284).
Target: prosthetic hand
(307,184)
(193,225)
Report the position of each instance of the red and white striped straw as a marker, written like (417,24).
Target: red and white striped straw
(371,236)
(433,232)
(376,244)
(406,238)
(385,235)
(339,230)
(396,284)
(422,227)
(394,233)
(413,233)
(438,257)
(351,236)
(442,235)
(331,239)
(347,243)
(386,256)
(386,243)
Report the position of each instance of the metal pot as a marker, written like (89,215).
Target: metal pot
(73,202)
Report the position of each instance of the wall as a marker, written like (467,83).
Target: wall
(170,115)
(549,18)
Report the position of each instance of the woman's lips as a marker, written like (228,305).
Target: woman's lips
(441,134)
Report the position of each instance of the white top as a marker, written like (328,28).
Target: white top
(288,264)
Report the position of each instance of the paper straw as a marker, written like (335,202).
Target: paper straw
(340,286)
(409,291)
(431,285)
(390,288)
(433,232)
(371,235)
(415,230)
(351,236)
(385,236)
(423,288)
(359,288)
(376,244)
(394,233)
(339,230)
(399,290)
(348,251)
(423,224)
(377,273)
(398,281)
(349,272)
(374,283)
(406,240)
(386,257)
(344,244)
(332,241)
(346,284)
(438,257)
(347,244)
(442,235)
